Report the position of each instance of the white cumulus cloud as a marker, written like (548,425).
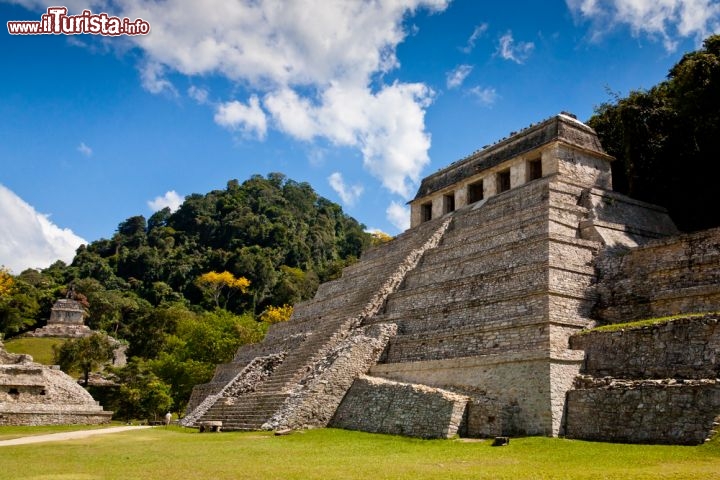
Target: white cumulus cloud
(249,119)
(387,126)
(171,199)
(398,215)
(668,20)
(517,52)
(457,76)
(313,66)
(29,239)
(349,194)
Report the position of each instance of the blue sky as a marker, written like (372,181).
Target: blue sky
(360,99)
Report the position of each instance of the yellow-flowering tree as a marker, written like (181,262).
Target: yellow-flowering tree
(276,314)
(213,284)
(6,282)
(378,238)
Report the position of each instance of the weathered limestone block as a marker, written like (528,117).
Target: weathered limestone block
(383,406)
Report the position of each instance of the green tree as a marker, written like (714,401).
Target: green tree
(200,342)
(85,354)
(142,393)
(665,139)
(19,306)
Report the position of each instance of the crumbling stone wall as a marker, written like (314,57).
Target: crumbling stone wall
(34,394)
(663,277)
(519,384)
(318,396)
(649,384)
(685,348)
(644,411)
(383,406)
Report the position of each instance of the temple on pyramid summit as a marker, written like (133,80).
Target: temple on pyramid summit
(469,323)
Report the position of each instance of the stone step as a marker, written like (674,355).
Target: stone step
(515,281)
(478,264)
(488,235)
(412,318)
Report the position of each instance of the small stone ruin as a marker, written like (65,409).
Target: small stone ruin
(66,320)
(35,394)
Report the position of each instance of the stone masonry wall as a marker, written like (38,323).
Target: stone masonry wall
(52,418)
(687,348)
(644,411)
(383,406)
(519,383)
(648,384)
(664,277)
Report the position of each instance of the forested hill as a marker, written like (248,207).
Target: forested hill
(184,289)
(277,233)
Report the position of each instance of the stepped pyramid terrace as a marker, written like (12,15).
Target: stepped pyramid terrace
(462,324)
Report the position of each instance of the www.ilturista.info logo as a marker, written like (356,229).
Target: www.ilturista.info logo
(57,22)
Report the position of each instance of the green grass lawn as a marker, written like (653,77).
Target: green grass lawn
(174,453)
(40,348)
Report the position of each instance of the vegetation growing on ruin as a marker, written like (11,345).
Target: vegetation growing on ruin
(172,453)
(647,322)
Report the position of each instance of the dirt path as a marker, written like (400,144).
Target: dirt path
(55,437)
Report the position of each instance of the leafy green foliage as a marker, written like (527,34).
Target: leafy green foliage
(142,394)
(85,354)
(155,283)
(666,139)
(277,233)
(19,306)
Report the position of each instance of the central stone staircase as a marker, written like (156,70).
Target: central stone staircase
(317,326)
